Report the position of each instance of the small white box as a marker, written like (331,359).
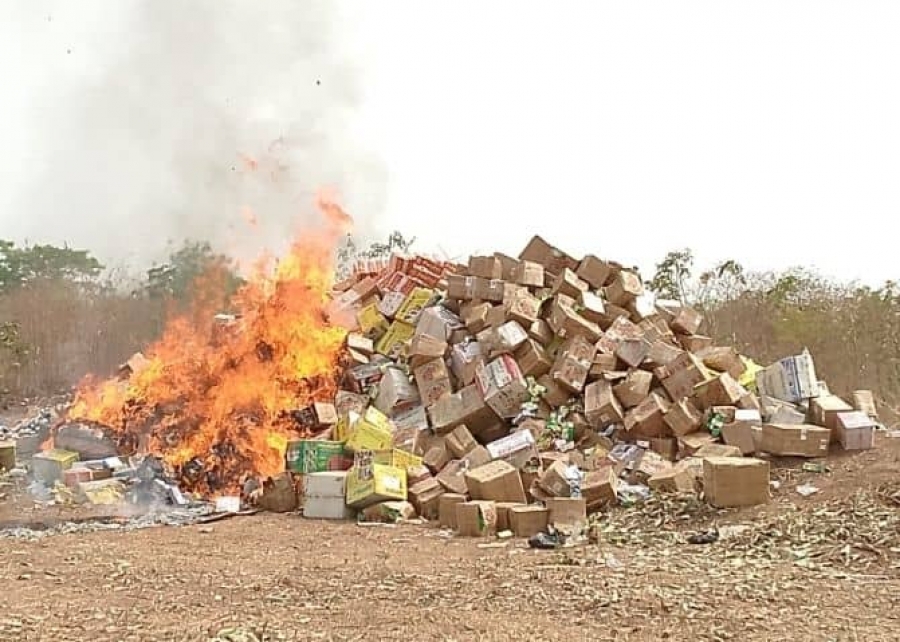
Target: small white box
(323,496)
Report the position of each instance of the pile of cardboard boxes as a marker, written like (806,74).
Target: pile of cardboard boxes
(516,393)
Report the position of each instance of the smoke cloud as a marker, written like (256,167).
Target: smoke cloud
(206,120)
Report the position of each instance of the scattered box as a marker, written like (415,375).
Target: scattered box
(496,481)
(460,441)
(864,401)
(476,519)
(683,418)
(855,430)
(795,441)
(7,455)
(48,466)
(526,521)
(601,407)
(447,509)
(792,379)
(502,386)
(324,495)
(375,483)
(425,497)
(566,510)
(735,481)
(739,433)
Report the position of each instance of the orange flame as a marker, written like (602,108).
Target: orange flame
(212,397)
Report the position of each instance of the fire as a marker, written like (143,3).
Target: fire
(213,395)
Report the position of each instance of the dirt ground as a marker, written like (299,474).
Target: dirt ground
(825,567)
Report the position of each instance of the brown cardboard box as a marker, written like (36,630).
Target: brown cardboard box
(568,283)
(447,509)
(460,441)
(565,322)
(361,344)
(663,353)
(633,352)
(503,508)
(566,510)
(541,332)
(424,348)
(864,401)
(526,521)
(721,390)
(502,386)
(466,406)
(453,477)
(723,359)
(634,388)
(532,359)
(686,321)
(476,519)
(475,316)
(647,465)
(603,364)
(508,266)
(625,287)
(554,481)
(645,421)
(683,418)
(433,381)
(497,481)
(691,443)
(739,433)
(622,328)
(488,290)
(694,342)
(594,271)
(718,450)
(524,307)
(425,496)
(735,481)
(601,407)
(855,430)
(599,488)
(727,413)
(573,363)
(529,274)
(464,360)
(507,338)
(487,267)
(680,377)
(395,392)
(476,457)
(665,447)
(438,322)
(436,457)
(823,411)
(672,480)
(795,441)
(461,287)
(592,307)
(555,395)
(416,474)
(518,449)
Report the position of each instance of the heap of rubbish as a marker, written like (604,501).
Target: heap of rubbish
(521,395)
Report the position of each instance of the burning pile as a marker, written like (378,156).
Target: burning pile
(214,396)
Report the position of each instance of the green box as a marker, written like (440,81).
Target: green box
(316,456)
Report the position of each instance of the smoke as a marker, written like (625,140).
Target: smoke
(205,120)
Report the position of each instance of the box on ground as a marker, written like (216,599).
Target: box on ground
(476,519)
(801,440)
(735,481)
(375,483)
(324,496)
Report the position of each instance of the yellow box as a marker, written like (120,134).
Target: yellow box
(413,305)
(385,483)
(395,339)
(344,427)
(397,458)
(369,436)
(371,321)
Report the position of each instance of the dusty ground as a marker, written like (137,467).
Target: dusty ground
(822,568)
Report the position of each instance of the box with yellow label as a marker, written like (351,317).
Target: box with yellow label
(371,322)
(385,483)
(395,339)
(413,305)
(397,458)
(369,435)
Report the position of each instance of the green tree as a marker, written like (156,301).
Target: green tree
(22,266)
(176,278)
(673,274)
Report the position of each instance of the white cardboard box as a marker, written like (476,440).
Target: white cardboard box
(323,496)
(791,379)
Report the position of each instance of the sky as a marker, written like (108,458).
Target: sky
(766,132)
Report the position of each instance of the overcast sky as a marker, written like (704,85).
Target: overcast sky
(626,129)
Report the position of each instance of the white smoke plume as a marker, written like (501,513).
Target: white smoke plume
(186,120)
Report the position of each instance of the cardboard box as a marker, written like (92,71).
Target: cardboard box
(735,481)
(573,363)
(594,271)
(795,441)
(645,421)
(504,339)
(526,521)
(323,496)
(634,388)
(723,359)
(346,402)
(464,360)
(855,430)
(601,407)
(541,332)
(864,401)
(739,433)
(686,321)
(683,418)
(792,379)
(633,352)
(397,458)
(533,359)
(437,456)
(553,260)
(486,267)
(438,322)
(461,287)
(460,442)
(394,341)
(466,406)
(599,488)
(663,353)
(672,480)
(823,411)
(475,316)
(517,449)
(373,431)
(395,392)
(508,266)
(496,481)
(503,508)
(390,303)
(7,455)
(694,342)
(603,364)
(425,497)
(721,390)
(529,274)
(414,304)
(315,456)
(48,466)
(566,510)
(389,512)
(717,450)
(665,447)
(447,509)
(433,381)
(488,290)
(624,288)
(372,323)
(568,283)
(373,484)
(502,386)
(476,519)
(681,376)
(693,442)
(622,328)
(554,481)
(453,477)
(565,322)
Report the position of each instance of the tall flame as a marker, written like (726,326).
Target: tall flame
(214,394)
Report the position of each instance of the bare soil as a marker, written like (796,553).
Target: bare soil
(281,577)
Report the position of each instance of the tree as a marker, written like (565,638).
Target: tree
(725,282)
(673,273)
(22,266)
(176,278)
